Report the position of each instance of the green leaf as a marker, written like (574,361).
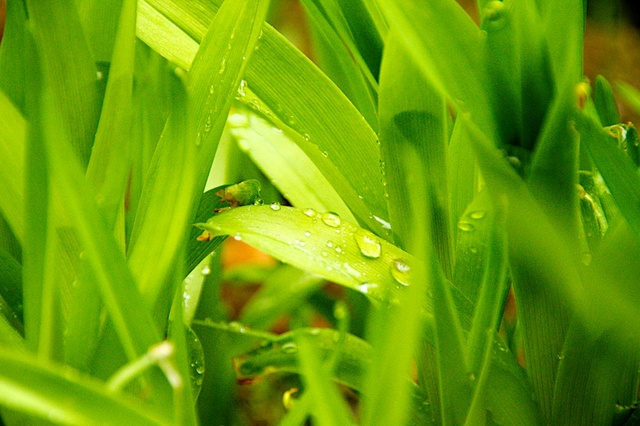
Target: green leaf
(630,95)
(544,276)
(13,130)
(276,74)
(605,102)
(285,164)
(336,52)
(279,294)
(618,170)
(110,161)
(70,71)
(228,44)
(12,57)
(62,396)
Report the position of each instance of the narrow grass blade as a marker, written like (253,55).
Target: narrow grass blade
(62,396)
(630,95)
(553,178)
(100,24)
(13,134)
(546,293)
(183,391)
(285,164)
(618,170)
(444,49)
(38,223)
(11,284)
(110,162)
(413,116)
(228,44)
(280,353)
(337,60)
(279,294)
(328,407)
(396,330)
(12,57)
(605,102)
(70,70)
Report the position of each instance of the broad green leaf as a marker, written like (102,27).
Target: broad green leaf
(70,71)
(62,396)
(288,167)
(605,102)
(276,74)
(564,30)
(320,243)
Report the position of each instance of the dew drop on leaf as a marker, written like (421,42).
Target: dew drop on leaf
(275,206)
(331,219)
(465,226)
(478,214)
(309,212)
(368,244)
(289,348)
(400,271)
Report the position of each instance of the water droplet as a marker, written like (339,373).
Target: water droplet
(314,331)
(400,271)
(324,253)
(368,288)
(368,244)
(493,16)
(325,154)
(241,92)
(206,270)
(207,125)
(275,206)
(560,357)
(289,348)
(258,202)
(338,250)
(237,237)
(329,243)
(99,75)
(478,214)
(331,219)
(307,234)
(473,250)
(238,120)
(306,136)
(463,225)
(309,212)
(472,377)
(223,65)
(211,89)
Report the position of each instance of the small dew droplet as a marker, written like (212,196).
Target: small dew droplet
(478,214)
(211,89)
(331,219)
(289,348)
(309,212)
(368,244)
(400,271)
(275,206)
(307,234)
(465,226)
(206,270)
